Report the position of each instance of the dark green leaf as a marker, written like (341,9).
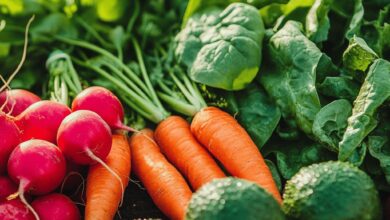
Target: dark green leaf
(339,87)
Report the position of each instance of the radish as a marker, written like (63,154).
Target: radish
(38,167)
(84,137)
(7,187)
(15,101)
(103,102)
(15,210)
(10,137)
(56,206)
(41,120)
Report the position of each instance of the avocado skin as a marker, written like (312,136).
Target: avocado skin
(232,198)
(331,190)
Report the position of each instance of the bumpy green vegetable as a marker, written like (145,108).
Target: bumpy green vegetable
(379,147)
(373,93)
(358,55)
(291,75)
(222,49)
(330,123)
(257,113)
(317,21)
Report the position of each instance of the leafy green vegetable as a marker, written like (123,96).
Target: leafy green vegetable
(340,87)
(275,174)
(317,21)
(358,55)
(379,147)
(222,49)
(373,93)
(290,76)
(292,156)
(257,113)
(330,123)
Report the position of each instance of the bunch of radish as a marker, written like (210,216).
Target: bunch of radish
(41,138)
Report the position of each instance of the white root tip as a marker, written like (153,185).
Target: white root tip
(101,162)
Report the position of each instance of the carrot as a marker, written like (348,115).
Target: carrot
(104,191)
(165,185)
(178,144)
(233,147)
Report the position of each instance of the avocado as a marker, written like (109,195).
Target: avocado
(232,198)
(331,190)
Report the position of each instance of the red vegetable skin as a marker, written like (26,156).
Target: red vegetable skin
(84,137)
(17,100)
(56,207)
(9,139)
(7,187)
(15,210)
(41,120)
(104,103)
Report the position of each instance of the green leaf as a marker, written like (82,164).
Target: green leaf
(275,174)
(292,156)
(330,123)
(339,87)
(290,76)
(317,21)
(373,93)
(257,113)
(222,49)
(111,10)
(53,24)
(379,147)
(358,55)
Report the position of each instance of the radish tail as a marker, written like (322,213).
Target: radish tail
(126,128)
(22,185)
(101,162)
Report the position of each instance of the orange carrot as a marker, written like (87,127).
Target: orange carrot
(104,191)
(165,185)
(233,147)
(178,144)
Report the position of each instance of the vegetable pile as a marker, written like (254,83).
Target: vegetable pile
(207,109)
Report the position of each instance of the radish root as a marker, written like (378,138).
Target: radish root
(101,162)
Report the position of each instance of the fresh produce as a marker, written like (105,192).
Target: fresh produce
(7,187)
(164,183)
(230,144)
(93,98)
(38,167)
(222,48)
(15,101)
(260,89)
(10,138)
(84,137)
(41,120)
(231,198)
(15,210)
(328,191)
(174,137)
(104,194)
(56,206)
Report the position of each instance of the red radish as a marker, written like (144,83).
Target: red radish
(7,187)
(84,137)
(56,206)
(15,101)
(38,167)
(41,120)
(10,137)
(14,210)
(103,102)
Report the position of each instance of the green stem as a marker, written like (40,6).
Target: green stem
(93,32)
(179,106)
(182,88)
(134,17)
(145,74)
(154,113)
(126,80)
(104,52)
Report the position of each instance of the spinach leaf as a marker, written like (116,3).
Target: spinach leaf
(340,87)
(358,55)
(292,156)
(379,147)
(290,76)
(257,113)
(330,123)
(373,93)
(222,49)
